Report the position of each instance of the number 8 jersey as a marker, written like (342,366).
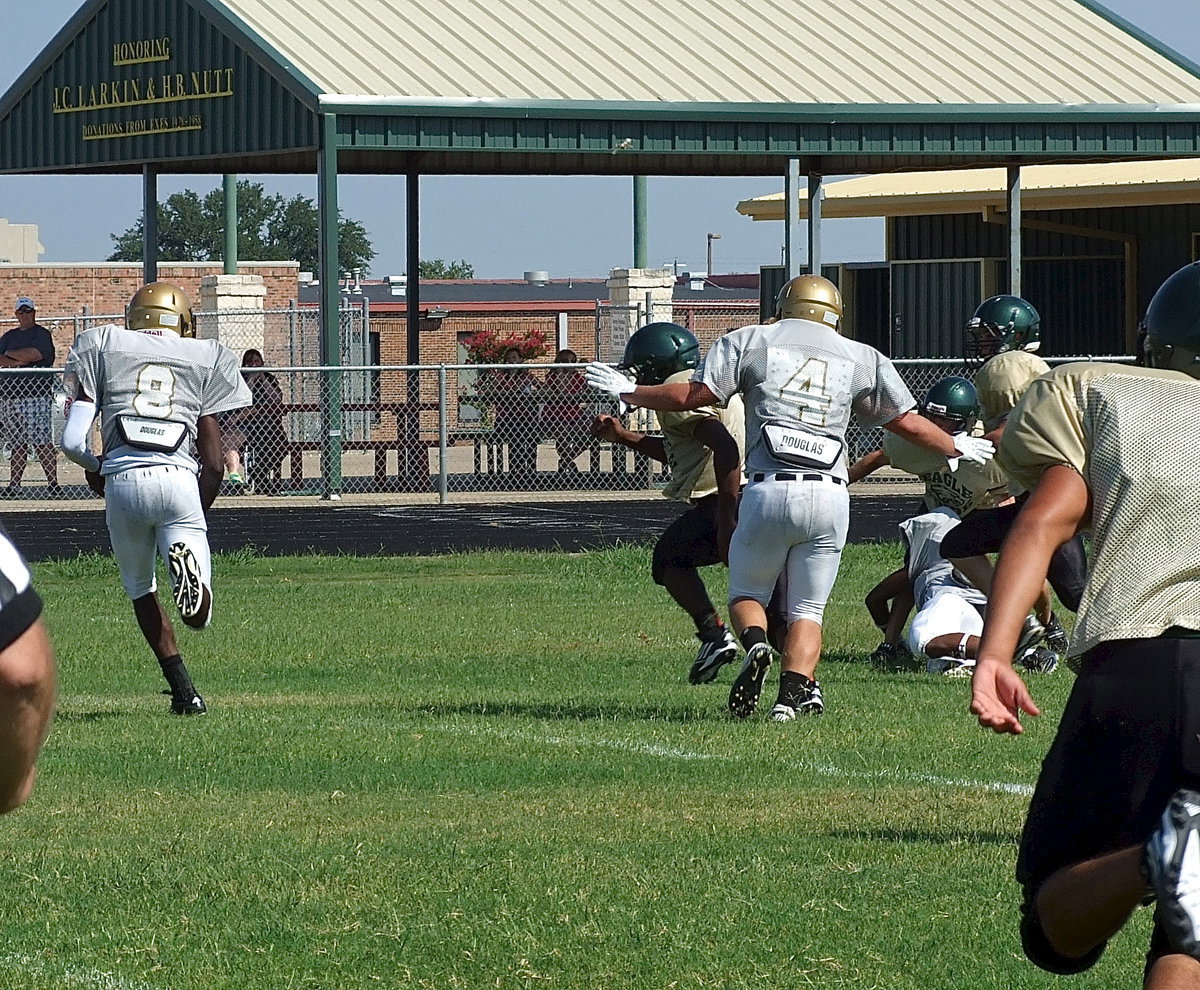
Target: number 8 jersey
(150,389)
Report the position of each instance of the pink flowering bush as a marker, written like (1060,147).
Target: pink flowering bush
(488,347)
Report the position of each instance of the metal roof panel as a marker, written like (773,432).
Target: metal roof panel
(916,52)
(1043,187)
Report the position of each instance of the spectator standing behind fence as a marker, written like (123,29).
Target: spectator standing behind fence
(27,398)
(258,426)
(563,418)
(513,392)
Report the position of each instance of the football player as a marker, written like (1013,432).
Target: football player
(1115,816)
(950,608)
(800,380)
(953,405)
(1005,333)
(702,447)
(158,390)
(27,678)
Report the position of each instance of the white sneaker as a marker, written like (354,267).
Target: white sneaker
(1171,863)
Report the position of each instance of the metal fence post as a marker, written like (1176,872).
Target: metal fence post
(443,436)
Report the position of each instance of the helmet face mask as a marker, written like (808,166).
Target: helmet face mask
(161,307)
(810,297)
(659,350)
(954,401)
(1003,323)
(1172,326)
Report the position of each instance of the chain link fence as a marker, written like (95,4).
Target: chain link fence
(443,431)
(370,427)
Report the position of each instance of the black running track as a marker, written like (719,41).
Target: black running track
(419,529)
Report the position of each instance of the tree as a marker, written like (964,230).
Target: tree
(437,268)
(270,228)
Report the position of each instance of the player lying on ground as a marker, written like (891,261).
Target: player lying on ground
(952,404)
(950,609)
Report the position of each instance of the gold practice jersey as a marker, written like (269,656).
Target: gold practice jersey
(973,486)
(152,377)
(1002,381)
(691,462)
(1132,434)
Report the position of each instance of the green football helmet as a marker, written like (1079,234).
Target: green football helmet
(954,399)
(1172,325)
(1003,323)
(659,350)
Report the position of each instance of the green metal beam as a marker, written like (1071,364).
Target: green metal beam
(331,339)
(231,224)
(641,251)
(413,465)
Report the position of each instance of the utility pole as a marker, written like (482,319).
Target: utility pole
(711,238)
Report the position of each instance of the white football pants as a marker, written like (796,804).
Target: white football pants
(149,509)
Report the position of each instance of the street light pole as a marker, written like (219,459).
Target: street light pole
(711,238)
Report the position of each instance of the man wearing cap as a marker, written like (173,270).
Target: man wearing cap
(26,398)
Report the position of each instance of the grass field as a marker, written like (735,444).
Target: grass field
(488,770)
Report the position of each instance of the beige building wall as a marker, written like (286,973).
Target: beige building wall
(19,243)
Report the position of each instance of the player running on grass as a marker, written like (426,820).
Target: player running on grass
(158,391)
(800,381)
(703,448)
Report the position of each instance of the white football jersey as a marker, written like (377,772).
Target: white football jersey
(803,377)
(145,378)
(930,573)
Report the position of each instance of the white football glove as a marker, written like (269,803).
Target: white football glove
(608,380)
(977,450)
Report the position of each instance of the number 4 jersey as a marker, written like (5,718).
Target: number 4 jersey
(800,382)
(150,390)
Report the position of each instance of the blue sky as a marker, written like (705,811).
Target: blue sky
(580,226)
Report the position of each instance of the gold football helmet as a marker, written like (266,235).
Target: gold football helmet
(810,297)
(161,306)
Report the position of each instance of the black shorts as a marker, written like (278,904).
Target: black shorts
(690,541)
(984,530)
(1128,739)
(20,605)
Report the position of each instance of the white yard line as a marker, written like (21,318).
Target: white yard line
(64,975)
(822,769)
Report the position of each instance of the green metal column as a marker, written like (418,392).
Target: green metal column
(331,338)
(149,224)
(231,225)
(641,251)
(413,462)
